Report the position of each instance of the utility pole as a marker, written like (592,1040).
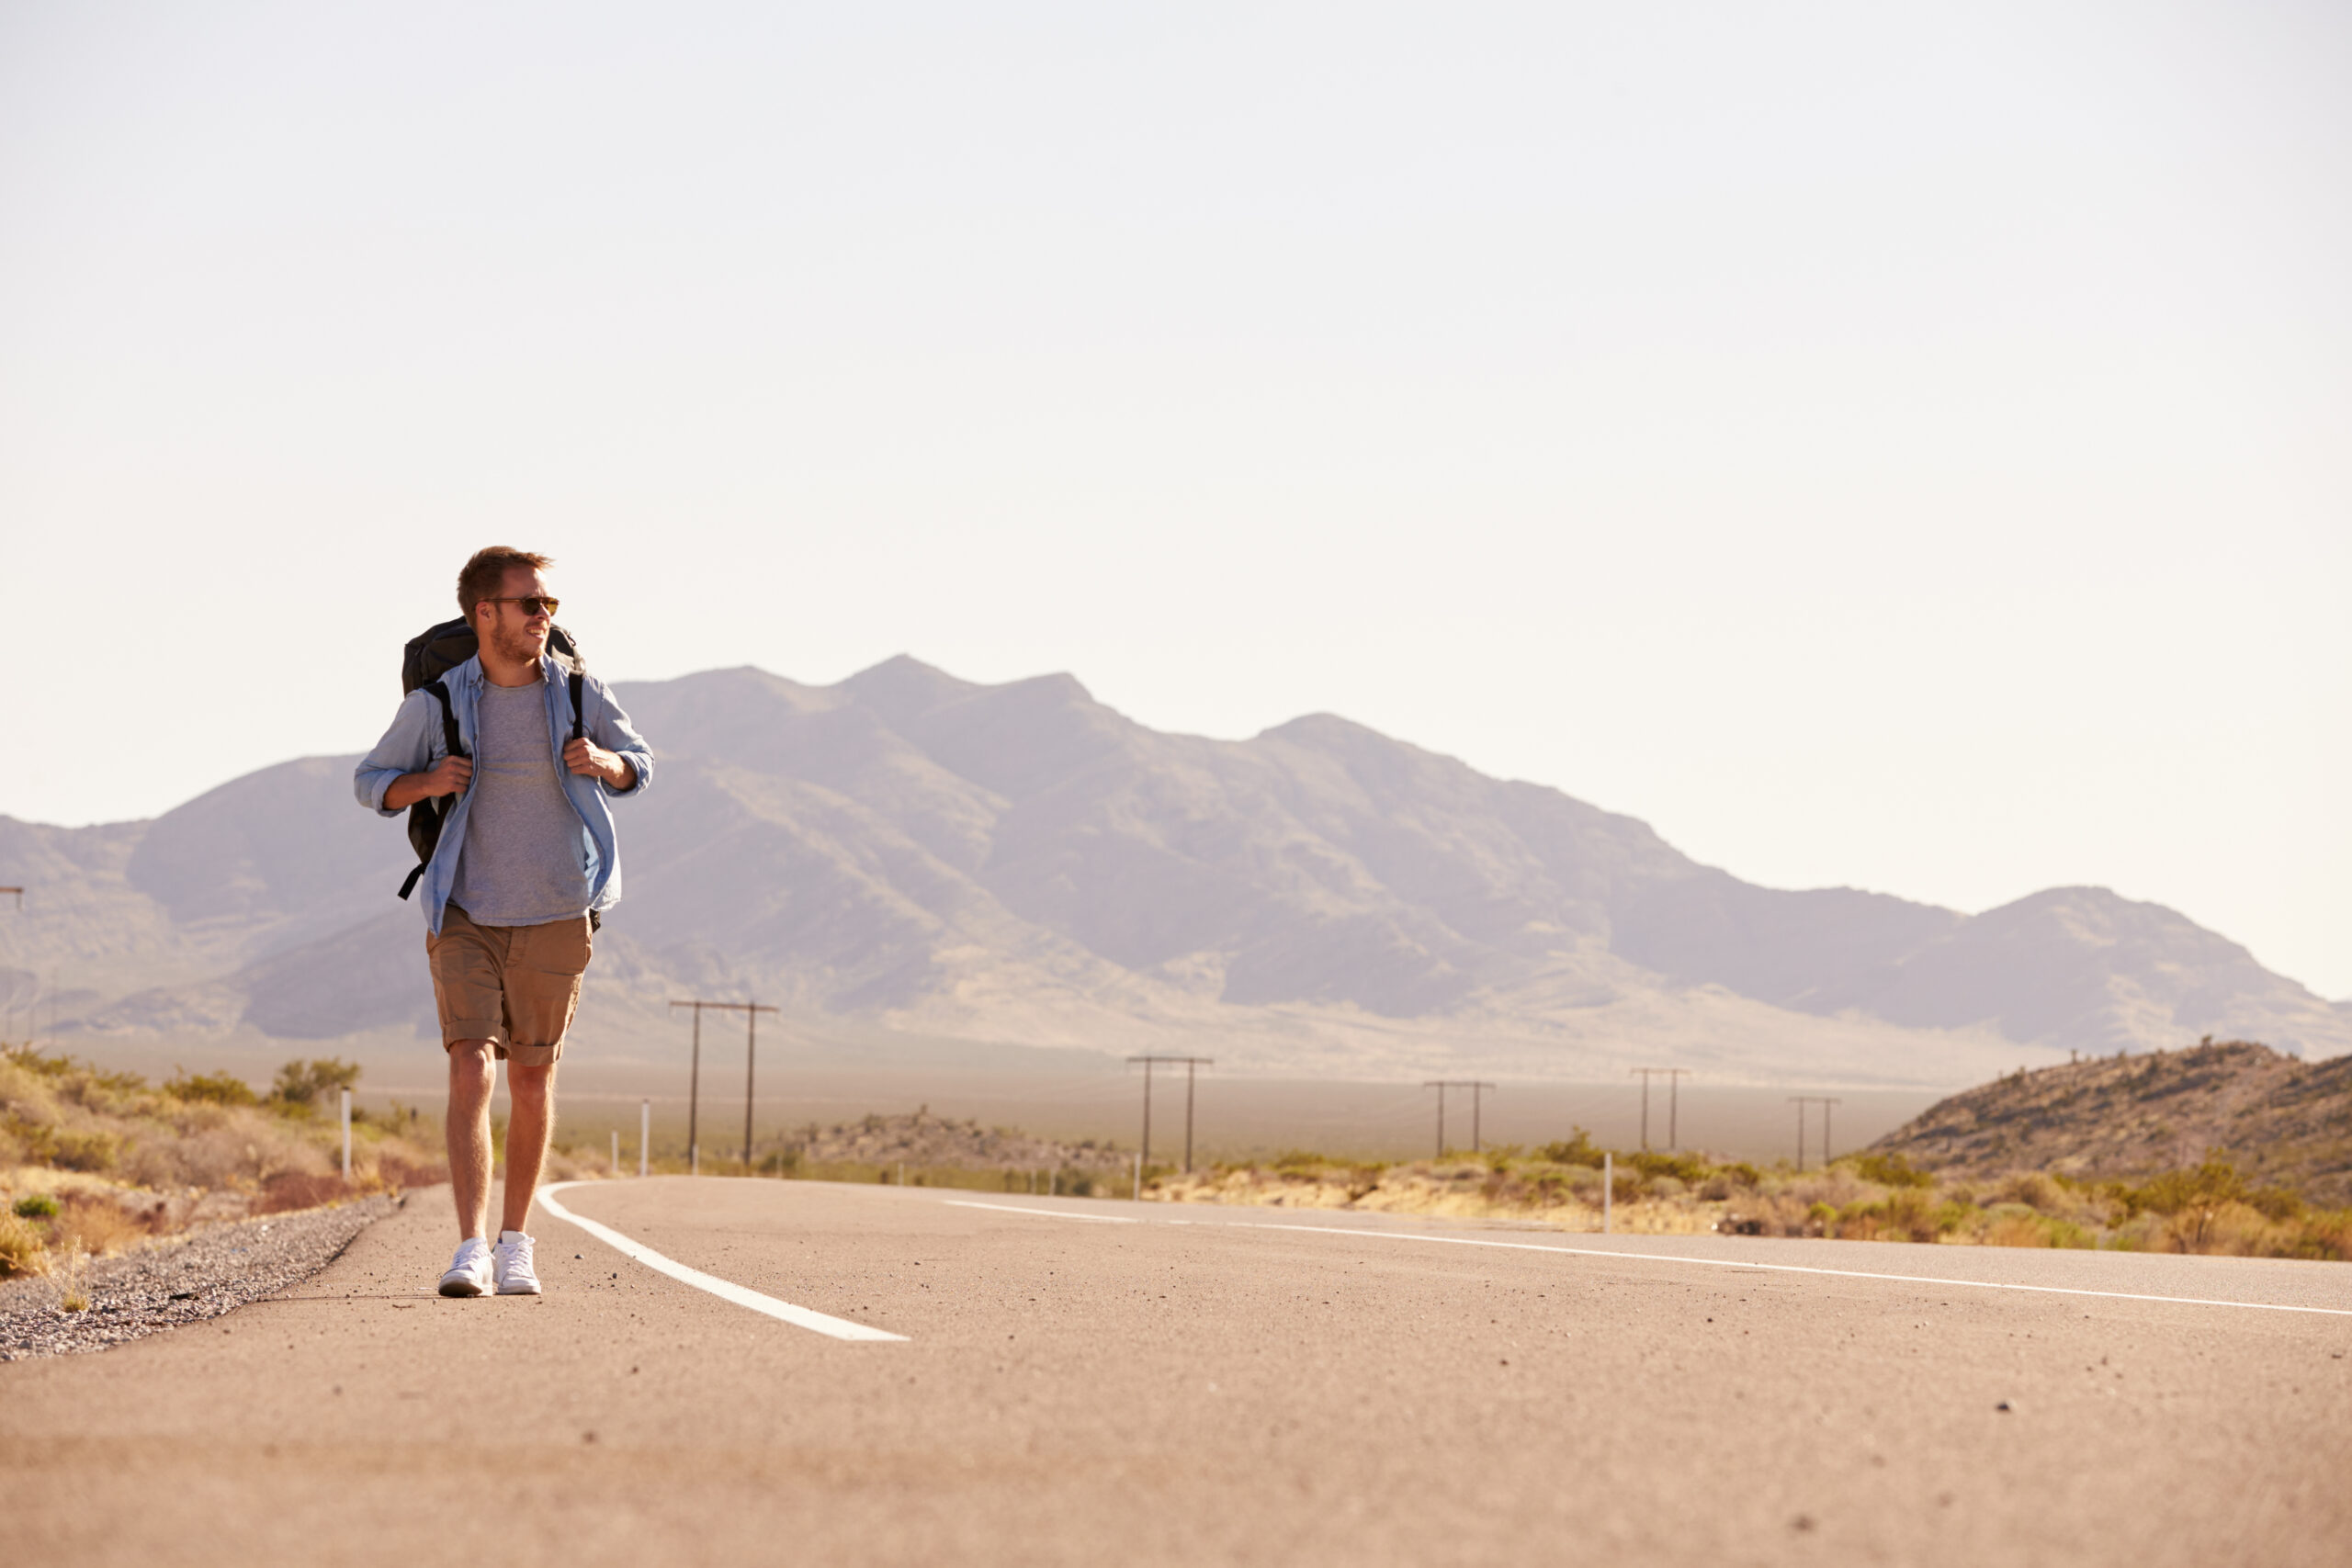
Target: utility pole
(1673,1077)
(1476,1087)
(1825,1101)
(1189,1064)
(751,1011)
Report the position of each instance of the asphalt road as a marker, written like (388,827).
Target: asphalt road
(1201,1385)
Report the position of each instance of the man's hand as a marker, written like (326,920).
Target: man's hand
(584,756)
(449,776)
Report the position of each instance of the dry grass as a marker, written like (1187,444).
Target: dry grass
(1867,1196)
(23,1249)
(102,1161)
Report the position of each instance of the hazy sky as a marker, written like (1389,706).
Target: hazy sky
(1897,447)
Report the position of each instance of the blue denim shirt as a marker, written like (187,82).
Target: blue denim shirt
(414,744)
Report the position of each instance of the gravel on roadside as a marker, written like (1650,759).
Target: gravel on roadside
(178,1280)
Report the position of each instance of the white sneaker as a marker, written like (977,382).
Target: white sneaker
(511,1259)
(468,1273)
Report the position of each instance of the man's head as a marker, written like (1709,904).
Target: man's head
(506,601)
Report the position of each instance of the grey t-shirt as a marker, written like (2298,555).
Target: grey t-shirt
(524,861)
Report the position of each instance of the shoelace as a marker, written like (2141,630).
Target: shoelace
(517,1256)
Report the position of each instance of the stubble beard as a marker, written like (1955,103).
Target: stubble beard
(517,647)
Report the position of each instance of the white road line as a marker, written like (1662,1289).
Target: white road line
(1043,1213)
(725,1290)
(1775,1267)
(1353,1233)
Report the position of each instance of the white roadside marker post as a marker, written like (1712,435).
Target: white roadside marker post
(616,1154)
(1608,1188)
(1138,1175)
(347,1135)
(644,1131)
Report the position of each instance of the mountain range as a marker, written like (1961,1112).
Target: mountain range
(907,856)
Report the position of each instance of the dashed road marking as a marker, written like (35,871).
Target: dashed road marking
(1780,1268)
(1043,1213)
(1354,1232)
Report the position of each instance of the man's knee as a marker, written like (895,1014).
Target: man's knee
(471,1064)
(535,1082)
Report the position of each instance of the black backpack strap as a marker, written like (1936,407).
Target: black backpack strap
(432,809)
(579,730)
(449,738)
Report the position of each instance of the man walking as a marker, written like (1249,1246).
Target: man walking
(526,857)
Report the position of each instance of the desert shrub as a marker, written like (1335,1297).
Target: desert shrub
(1299,1159)
(2014,1225)
(2326,1234)
(36,1206)
(1905,1214)
(1664,1186)
(2033,1188)
(1579,1149)
(213,1088)
(31,1060)
(2193,1200)
(96,1228)
(2017,1224)
(2276,1203)
(80,1149)
(1688,1169)
(1740,1172)
(1955,1214)
(303,1086)
(22,1248)
(1888,1169)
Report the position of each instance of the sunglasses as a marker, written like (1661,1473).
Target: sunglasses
(533,604)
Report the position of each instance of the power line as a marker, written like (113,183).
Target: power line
(1476,1087)
(1673,1077)
(1825,1101)
(1189,1063)
(751,1011)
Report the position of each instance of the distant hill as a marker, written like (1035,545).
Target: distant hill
(2278,1120)
(910,855)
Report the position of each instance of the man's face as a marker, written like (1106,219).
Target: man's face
(511,630)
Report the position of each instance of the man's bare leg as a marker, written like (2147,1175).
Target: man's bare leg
(530,1093)
(473,1074)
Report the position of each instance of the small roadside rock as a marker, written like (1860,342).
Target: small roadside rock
(179,1281)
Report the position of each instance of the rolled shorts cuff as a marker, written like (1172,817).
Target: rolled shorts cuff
(527,1055)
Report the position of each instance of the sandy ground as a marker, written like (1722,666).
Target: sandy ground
(1200,1386)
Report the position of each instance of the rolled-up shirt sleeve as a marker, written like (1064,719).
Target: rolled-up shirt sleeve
(406,748)
(613,731)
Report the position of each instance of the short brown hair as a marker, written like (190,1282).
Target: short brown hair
(486,574)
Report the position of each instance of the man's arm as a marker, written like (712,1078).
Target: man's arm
(613,752)
(449,776)
(585,757)
(405,754)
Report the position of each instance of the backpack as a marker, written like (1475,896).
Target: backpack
(429,655)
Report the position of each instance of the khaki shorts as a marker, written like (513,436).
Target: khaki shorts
(516,987)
